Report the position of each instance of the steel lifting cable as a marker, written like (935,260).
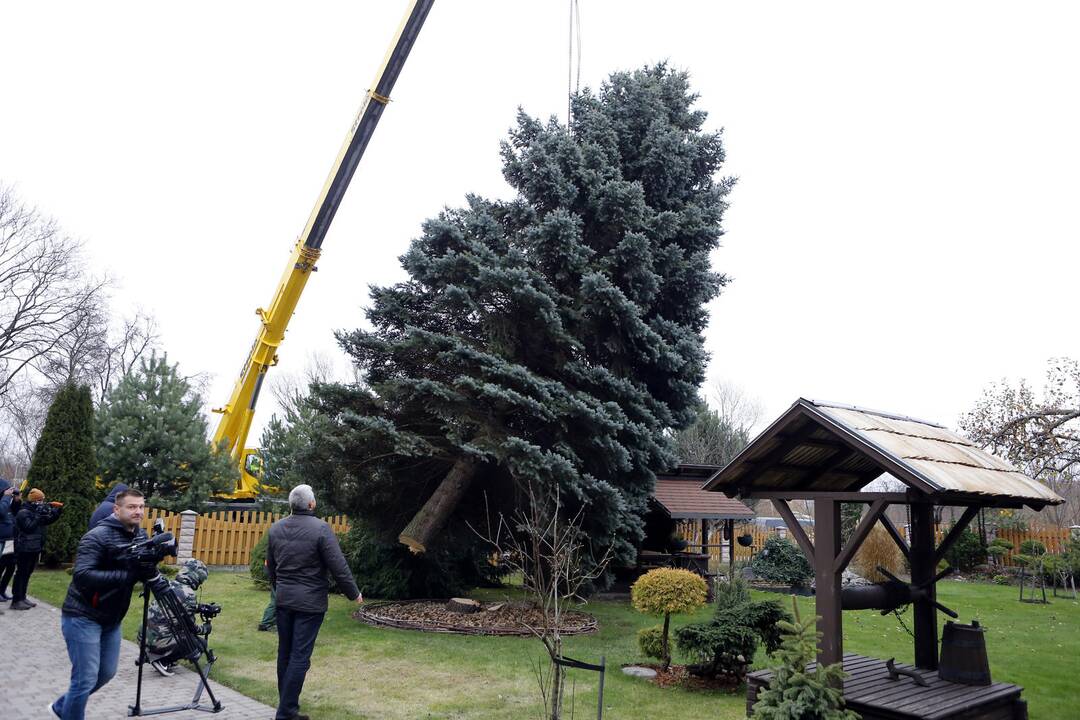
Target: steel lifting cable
(574,33)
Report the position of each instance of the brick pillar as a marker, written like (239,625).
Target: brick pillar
(186,545)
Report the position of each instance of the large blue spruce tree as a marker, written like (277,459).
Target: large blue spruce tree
(552,340)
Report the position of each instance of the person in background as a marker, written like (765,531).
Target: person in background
(302,549)
(30,523)
(9,506)
(269,618)
(104,510)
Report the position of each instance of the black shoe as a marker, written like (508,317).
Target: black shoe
(4,597)
(21,605)
(31,603)
(266,628)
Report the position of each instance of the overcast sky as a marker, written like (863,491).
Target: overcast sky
(904,229)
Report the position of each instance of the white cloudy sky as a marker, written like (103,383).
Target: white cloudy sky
(903,231)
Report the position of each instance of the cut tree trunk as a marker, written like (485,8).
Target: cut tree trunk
(464,606)
(432,517)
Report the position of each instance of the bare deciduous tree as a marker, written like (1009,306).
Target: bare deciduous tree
(44,290)
(549,552)
(1040,435)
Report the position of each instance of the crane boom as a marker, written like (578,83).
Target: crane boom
(237,415)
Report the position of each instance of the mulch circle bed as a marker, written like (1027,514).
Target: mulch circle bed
(677,676)
(499,618)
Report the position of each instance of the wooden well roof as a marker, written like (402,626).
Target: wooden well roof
(679,492)
(817,446)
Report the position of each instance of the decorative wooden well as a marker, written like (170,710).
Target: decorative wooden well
(830,454)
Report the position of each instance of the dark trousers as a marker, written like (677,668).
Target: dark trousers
(296,639)
(24,566)
(7,569)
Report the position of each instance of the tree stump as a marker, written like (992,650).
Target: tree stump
(462,605)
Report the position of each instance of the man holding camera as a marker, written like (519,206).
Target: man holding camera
(97,600)
(301,550)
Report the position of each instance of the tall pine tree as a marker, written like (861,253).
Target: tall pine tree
(551,339)
(152,436)
(63,467)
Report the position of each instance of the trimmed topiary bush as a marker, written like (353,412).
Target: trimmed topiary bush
(781,561)
(668,591)
(651,641)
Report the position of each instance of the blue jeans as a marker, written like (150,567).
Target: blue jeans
(94,651)
(296,639)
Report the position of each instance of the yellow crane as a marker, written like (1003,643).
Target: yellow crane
(236,416)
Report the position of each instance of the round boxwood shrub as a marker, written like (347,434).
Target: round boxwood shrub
(966,552)
(781,561)
(651,641)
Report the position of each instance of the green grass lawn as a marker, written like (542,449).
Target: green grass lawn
(364,672)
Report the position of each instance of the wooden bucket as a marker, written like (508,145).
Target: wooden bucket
(963,654)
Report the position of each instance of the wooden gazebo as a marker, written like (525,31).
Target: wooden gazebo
(830,453)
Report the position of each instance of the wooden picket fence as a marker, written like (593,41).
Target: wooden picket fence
(227,537)
(690,531)
(1054,538)
(172,524)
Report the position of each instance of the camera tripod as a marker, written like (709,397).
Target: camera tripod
(190,645)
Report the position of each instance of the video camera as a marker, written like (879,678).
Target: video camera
(152,550)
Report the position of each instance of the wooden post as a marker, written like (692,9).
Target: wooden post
(826,547)
(731,550)
(922,571)
(705,536)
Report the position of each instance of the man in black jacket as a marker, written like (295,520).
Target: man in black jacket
(9,508)
(302,548)
(30,522)
(97,600)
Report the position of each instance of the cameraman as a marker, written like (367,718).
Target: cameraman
(30,524)
(97,600)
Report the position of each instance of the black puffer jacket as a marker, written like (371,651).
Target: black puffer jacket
(9,506)
(302,549)
(101,582)
(30,526)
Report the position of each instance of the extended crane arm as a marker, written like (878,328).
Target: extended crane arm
(236,416)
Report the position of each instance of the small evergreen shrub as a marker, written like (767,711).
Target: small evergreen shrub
(1033,548)
(966,552)
(256,565)
(794,693)
(651,641)
(781,561)
(725,646)
(1001,579)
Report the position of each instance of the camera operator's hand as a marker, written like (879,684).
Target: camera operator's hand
(9,491)
(360,599)
(56,504)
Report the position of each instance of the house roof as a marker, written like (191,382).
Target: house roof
(818,446)
(680,493)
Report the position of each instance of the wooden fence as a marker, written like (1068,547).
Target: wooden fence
(172,524)
(228,536)
(1055,539)
(690,531)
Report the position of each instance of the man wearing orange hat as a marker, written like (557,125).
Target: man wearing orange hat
(30,524)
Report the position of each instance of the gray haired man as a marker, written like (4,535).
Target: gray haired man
(302,549)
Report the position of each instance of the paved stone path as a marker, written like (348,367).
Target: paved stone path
(37,671)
